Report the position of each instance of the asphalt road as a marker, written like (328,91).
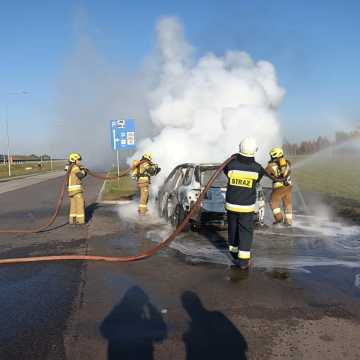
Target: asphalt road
(19,182)
(301,300)
(36,300)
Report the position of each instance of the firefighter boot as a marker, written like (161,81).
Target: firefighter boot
(278,218)
(243,259)
(288,219)
(244,264)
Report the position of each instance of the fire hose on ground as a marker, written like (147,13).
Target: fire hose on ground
(60,202)
(128,258)
(53,217)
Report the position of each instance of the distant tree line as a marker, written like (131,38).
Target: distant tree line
(24,158)
(313,146)
(307,147)
(342,136)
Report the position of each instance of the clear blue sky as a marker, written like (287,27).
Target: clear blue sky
(314,45)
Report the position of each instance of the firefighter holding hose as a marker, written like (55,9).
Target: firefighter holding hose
(75,189)
(142,171)
(243,174)
(280,169)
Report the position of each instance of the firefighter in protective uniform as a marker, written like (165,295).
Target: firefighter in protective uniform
(243,174)
(75,189)
(280,169)
(142,171)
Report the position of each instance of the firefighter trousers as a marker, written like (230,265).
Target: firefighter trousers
(77,209)
(144,186)
(240,234)
(282,196)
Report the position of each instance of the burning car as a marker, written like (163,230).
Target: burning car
(183,186)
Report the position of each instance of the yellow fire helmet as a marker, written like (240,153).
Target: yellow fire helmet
(147,156)
(74,156)
(276,153)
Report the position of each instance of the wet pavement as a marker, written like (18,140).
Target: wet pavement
(35,301)
(301,299)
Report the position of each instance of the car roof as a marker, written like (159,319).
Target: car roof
(198,164)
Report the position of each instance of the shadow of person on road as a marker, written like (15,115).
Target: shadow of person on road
(132,327)
(89,211)
(211,335)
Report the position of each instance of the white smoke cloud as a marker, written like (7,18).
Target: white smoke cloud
(205,106)
(199,108)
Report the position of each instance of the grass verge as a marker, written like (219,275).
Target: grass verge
(123,188)
(30,168)
(335,176)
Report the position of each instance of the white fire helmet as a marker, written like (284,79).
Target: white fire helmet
(248,147)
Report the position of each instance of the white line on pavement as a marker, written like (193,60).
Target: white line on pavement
(16,184)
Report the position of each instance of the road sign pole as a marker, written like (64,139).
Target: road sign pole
(8,138)
(118,164)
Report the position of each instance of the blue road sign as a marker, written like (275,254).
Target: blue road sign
(122,134)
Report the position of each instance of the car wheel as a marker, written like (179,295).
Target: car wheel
(196,227)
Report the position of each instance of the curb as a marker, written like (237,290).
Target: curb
(110,202)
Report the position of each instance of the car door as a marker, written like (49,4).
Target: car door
(168,191)
(171,196)
(164,191)
(177,181)
(184,186)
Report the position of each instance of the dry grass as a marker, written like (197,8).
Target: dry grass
(122,188)
(336,175)
(29,168)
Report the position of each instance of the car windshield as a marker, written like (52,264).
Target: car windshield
(220,181)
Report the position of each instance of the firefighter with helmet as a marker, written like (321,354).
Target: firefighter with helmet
(280,168)
(243,174)
(142,171)
(75,189)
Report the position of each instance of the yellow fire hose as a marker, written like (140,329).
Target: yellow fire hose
(130,258)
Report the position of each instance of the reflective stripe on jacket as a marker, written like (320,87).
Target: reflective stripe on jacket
(240,208)
(74,183)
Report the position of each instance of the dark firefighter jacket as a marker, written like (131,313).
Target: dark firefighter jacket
(243,174)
